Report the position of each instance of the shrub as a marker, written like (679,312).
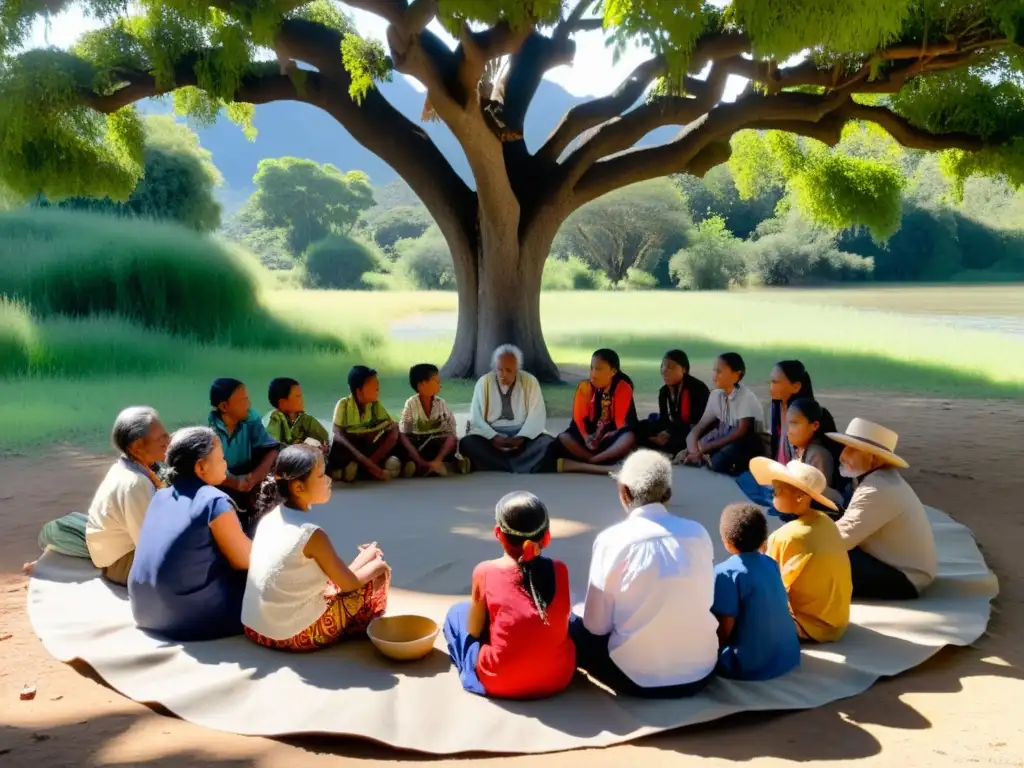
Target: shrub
(712,261)
(406,222)
(154,275)
(426,262)
(339,262)
(638,280)
(572,274)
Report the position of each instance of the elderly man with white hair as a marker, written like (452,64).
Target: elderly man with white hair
(885,526)
(647,629)
(506,419)
(109,533)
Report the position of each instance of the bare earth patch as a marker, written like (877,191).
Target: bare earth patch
(961,707)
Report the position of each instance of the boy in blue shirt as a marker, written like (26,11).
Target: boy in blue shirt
(757,637)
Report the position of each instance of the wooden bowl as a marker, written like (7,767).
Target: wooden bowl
(403,638)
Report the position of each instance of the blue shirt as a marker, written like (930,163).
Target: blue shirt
(181,585)
(249,435)
(764,643)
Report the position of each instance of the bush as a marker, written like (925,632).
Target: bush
(406,222)
(154,275)
(339,262)
(792,251)
(426,262)
(712,261)
(638,280)
(572,274)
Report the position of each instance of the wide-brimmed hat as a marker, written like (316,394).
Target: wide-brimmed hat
(803,477)
(864,435)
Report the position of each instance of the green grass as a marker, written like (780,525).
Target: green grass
(159,276)
(119,363)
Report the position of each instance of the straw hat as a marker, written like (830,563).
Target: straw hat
(872,438)
(801,476)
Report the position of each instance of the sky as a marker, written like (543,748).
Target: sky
(593,74)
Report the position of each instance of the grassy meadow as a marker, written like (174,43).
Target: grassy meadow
(103,314)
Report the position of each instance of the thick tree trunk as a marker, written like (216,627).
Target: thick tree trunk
(499,303)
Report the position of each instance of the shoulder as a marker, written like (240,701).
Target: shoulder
(729,568)
(411,402)
(696,384)
(253,419)
(275,415)
(745,393)
(584,388)
(485,380)
(214,500)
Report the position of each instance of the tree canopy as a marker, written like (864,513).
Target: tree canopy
(936,75)
(178,184)
(307,200)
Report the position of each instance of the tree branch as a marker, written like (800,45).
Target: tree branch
(575,22)
(717,125)
(593,113)
(392,11)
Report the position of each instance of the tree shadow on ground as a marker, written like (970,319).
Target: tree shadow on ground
(830,369)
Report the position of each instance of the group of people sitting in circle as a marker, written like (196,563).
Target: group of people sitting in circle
(209,528)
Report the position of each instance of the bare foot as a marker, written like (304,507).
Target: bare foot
(28,568)
(439,469)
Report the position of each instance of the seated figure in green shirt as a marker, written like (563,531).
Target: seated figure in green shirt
(288,422)
(365,435)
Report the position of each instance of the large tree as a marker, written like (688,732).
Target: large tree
(936,74)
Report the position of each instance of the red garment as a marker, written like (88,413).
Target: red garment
(524,658)
(616,406)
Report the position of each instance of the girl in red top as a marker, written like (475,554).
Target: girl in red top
(511,640)
(603,418)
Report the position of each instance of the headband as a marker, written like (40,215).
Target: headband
(509,531)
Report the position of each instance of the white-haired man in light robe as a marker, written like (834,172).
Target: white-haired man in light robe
(506,419)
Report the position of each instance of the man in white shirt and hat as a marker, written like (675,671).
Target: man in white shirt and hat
(885,526)
(647,629)
(507,419)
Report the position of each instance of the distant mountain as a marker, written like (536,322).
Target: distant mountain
(293,128)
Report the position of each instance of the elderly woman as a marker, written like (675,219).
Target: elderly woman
(189,574)
(885,526)
(109,533)
(647,629)
(506,419)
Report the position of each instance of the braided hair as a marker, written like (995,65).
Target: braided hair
(522,518)
(296,462)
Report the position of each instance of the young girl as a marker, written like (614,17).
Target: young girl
(789,381)
(299,595)
(726,438)
(805,419)
(681,403)
(603,418)
(511,640)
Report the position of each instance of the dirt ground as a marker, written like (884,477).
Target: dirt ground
(960,708)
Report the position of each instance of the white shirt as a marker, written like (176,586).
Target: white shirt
(651,587)
(527,405)
(284,590)
(117,512)
(741,403)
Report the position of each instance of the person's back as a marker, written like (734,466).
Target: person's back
(764,642)
(661,576)
(181,585)
(815,569)
(905,540)
(116,513)
(525,655)
(284,591)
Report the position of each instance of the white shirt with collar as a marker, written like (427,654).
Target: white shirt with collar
(651,588)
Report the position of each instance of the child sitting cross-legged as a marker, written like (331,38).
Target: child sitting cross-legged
(427,427)
(365,436)
(511,640)
(288,422)
(299,595)
(757,636)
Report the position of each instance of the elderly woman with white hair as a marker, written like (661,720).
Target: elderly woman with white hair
(506,419)
(647,629)
(109,532)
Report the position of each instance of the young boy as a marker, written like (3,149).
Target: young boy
(365,436)
(427,426)
(757,637)
(288,422)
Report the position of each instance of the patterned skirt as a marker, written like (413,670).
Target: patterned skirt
(347,614)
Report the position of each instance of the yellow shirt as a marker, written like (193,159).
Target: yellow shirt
(816,572)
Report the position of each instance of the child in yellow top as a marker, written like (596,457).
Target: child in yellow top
(809,550)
